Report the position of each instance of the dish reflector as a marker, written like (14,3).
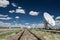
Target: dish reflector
(49,19)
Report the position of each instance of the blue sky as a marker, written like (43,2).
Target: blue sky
(28,11)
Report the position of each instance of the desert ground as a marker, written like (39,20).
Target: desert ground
(41,33)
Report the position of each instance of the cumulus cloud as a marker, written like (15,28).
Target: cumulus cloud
(4,3)
(11,11)
(57,24)
(17,17)
(2,24)
(40,25)
(52,15)
(14,5)
(4,17)
(33,13)
(20,11)
(26,23)
(6,24)
(19,7)
(58,17)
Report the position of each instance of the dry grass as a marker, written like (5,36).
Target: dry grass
(10,32)
(46,35)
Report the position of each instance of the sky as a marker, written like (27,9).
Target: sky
(28,11)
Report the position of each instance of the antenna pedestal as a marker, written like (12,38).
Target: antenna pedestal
(46,24)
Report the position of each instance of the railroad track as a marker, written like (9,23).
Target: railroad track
(24,35)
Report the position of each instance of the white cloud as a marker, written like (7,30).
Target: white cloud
(14,5)
(26,23)
(19,7)
(4,17)
(40,25)
(3,24)
(4,3)
(17,17)
(20,11)
(33,13)
(57,24)
(11,11)
(58,17)
(52,15)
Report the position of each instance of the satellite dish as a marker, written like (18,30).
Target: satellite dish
(48,20)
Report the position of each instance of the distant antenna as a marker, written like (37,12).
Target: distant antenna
(48,20)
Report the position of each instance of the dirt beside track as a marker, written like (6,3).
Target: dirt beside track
(28,36)
(24,35)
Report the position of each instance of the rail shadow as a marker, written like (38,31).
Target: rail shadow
(35,35)
(20,35)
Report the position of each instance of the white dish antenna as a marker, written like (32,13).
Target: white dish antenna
(48,19)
